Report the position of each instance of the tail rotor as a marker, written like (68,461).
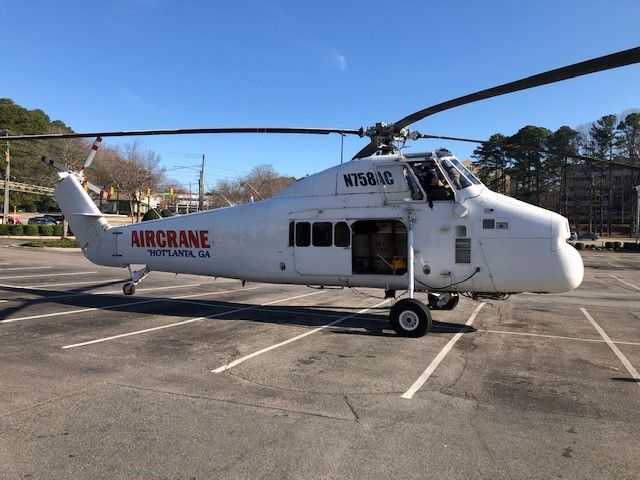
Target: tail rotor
(86,184)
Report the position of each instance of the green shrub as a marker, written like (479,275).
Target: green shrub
(167,213)
(4,229)
(608,245)
(45,230)
(617,245)
(16,229)
(150,215)
(579,246)
(51,242)
(57,230)
(30,230)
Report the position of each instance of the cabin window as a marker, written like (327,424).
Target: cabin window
(303,234)
(322,234)
(292,233)
(342,234)
(461,231)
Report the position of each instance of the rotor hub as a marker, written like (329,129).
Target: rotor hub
(384,136)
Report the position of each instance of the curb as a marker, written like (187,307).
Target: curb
(32,237)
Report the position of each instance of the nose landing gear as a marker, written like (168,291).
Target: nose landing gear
(129,288)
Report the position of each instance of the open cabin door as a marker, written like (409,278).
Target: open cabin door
(379,247)
(321,248)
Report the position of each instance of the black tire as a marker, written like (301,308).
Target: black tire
(129,288)
(410,318)
(450,305)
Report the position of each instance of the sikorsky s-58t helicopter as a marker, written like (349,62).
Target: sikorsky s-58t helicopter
(420,222)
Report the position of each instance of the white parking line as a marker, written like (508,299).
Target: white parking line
(617,265)
(137,332)
(108,292)
(26,268)
(117,305)
(199,304)
(626,283)
(293,339)
(558,337)
(191,320)
(46,275)
(543,335)
(42,286)
(616,350)
(436,361)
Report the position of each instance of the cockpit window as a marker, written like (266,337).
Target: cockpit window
(414,188)
(459,175)
(432,181)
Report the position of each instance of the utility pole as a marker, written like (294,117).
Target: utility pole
(5,214)
(637,189)
(201,187)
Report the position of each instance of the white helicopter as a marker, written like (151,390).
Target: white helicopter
(416,222)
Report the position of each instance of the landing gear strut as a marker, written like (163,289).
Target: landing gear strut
(129,288)
(410,317)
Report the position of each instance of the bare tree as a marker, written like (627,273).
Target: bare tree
(261,183)
(131,170)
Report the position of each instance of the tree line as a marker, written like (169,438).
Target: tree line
(535,165)
(128,168)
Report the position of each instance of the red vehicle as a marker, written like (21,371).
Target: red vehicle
(13,220)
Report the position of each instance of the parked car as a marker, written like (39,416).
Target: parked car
(42,221)
(55,217)
(11,220)
(588,236)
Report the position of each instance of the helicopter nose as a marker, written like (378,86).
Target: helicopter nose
(570,266)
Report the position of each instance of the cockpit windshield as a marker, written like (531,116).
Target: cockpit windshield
(458,173)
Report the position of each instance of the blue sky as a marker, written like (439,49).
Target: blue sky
(142,64)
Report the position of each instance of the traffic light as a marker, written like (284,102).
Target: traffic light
(172,192)
(112,191)
(148,192)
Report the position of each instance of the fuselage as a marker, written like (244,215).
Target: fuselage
(348,226)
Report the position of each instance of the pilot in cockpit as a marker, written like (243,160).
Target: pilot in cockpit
(432,183)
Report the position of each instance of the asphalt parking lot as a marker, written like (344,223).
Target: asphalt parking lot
(195,377)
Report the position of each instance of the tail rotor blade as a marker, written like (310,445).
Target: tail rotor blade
(92,153)
(54,164)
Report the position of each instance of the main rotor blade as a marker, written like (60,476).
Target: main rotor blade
(607,62)
(187,131)
(367,150)
(614,60)
(539,150)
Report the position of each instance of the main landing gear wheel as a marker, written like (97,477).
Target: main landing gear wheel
(444,301)
(410,318)
(129,288)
